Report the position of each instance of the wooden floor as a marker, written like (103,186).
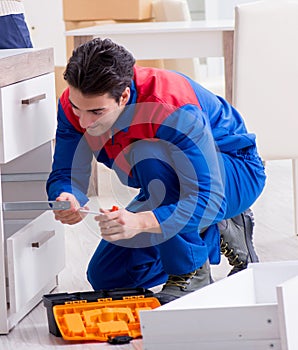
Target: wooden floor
(274,240)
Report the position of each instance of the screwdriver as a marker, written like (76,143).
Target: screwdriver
(86,211)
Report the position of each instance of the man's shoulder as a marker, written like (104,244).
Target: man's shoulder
(165,86)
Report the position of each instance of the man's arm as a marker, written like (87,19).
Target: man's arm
(71,167)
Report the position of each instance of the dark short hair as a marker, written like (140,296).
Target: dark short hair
(99,67)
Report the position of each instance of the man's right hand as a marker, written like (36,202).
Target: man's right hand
(69,216)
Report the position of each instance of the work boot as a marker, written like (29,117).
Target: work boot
(179,285)
(236,241)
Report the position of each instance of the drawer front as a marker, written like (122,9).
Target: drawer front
(27,116)
(35,255)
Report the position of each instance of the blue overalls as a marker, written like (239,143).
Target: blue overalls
(194,162)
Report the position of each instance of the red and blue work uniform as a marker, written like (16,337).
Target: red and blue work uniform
(189,153)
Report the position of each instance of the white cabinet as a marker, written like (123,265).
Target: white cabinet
(32,250)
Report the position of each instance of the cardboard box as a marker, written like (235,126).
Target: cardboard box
(82,10)
(60,83)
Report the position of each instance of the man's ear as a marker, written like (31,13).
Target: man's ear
(125,96)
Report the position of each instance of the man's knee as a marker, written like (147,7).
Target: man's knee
(94,277)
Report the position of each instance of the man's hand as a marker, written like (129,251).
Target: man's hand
(69,216)
(122,224)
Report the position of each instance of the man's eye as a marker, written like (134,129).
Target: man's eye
(96,113)
(75,111)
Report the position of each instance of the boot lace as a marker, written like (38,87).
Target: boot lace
(181,281)
(229,253)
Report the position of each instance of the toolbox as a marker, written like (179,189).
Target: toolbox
(104,315)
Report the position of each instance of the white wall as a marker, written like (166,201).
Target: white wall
(46,25)
(197,8)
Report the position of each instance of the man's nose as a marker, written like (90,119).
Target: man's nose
(85,119)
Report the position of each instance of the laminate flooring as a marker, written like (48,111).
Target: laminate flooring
(274,239)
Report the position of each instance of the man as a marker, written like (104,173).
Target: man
(188,152)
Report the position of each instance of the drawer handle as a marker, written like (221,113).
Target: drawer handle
(34,99)
(46,237)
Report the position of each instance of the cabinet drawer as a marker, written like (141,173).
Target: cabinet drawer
(27,116)
(35,255)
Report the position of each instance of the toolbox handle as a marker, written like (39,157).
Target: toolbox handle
(46,237)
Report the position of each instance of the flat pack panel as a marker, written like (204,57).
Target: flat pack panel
(288,313)
(240,310)
(268,275)
(236,290)
(209,326)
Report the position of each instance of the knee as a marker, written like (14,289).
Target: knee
(98,274)
(94,276)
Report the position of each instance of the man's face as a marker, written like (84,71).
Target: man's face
(96,113)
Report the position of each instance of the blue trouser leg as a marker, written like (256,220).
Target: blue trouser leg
(119,265)
(245,181)
(113,266)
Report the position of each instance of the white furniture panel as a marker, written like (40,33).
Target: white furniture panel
(239,312)
(26,116)
(288,305)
